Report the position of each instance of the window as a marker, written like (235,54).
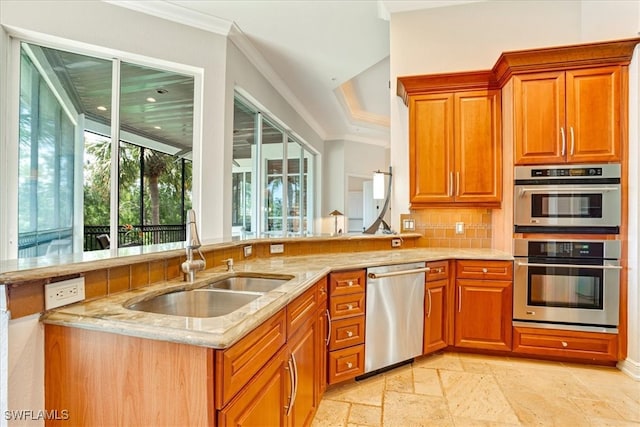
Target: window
(279,202)
(66,152)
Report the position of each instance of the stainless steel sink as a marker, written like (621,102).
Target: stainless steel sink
(196,303)
(249,283)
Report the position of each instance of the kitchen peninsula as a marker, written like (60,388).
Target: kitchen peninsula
(102,333)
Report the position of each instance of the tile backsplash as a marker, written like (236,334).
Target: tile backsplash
(437,226)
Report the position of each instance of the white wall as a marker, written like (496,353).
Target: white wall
(471,37)
(343,159)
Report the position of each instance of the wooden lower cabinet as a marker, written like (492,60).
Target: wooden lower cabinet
(435,316)
(437,307)
(561,343)
(483,311)
(106,379)
(302,353)
(262,402)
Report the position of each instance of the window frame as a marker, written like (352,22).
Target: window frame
(10,154)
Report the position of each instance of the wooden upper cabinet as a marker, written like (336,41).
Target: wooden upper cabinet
(539,111)
(455,151)
(593,114)
(431,148)
(478,147)
(568,116)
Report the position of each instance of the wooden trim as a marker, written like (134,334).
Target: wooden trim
(564,57)
(433,83)
(615,52)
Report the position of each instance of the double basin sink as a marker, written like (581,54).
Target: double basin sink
(216,298)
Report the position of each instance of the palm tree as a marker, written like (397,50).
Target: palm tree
(155,164)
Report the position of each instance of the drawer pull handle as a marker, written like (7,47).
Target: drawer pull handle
(349,365)
(349,307)
(564,344)
(485,271)
(349,333)
(350,283)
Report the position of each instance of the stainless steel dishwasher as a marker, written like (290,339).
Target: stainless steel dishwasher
(395,314)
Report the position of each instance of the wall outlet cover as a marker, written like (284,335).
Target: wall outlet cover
(247,250)
(62,293)
(277,248)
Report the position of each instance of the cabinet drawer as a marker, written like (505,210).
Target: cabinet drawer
(439,270)
(346,306)
(236,365)
(570,344)
(484,270)
(346,364)
(346,332)
(347,282)
(301,309)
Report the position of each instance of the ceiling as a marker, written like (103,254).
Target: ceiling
(328,58)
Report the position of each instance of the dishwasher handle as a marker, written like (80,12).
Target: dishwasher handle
(398,273)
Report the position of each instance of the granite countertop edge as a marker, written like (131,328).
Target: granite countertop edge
(108,314)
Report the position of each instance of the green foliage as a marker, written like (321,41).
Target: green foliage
(166,168)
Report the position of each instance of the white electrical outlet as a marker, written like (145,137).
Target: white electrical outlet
(63,293)
(277,248)
(396,243)
(248,250)
(459,227)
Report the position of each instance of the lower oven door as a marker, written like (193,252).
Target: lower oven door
(577,294)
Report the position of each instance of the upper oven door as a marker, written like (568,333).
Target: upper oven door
(592,208)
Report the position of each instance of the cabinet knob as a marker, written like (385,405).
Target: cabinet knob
(485,271)
(350,283)
(350,306)
(349,365)
(564,344)
(322,291)
(349,333)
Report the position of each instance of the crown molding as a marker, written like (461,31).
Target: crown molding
(175,13)
(354,108)
(348,137)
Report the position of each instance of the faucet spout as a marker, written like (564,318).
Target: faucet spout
(191,266)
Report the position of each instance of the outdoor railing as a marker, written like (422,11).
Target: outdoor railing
(134,235)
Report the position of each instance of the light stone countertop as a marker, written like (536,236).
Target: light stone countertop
(109,315)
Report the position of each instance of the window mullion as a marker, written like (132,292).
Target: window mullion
(115,155)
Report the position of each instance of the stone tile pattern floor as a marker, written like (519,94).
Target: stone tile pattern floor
(457,389)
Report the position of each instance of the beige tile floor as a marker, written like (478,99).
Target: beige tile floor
(455,389)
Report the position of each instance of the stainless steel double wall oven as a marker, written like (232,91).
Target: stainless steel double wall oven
(567,283)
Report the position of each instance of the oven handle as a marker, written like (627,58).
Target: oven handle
(564,189)
(595,267)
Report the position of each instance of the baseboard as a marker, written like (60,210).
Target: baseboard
(631,368)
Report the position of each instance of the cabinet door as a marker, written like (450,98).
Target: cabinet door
(593,114)
(539,118)
(431,148)
(262,402)
(478,147)
(435,316)
(303,354)
(483,314)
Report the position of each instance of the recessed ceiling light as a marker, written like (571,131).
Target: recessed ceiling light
(150,99)
(102,108)
(161,91)
(157,127)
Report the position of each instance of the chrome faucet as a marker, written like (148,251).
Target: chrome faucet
(191,266)
(229,262)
